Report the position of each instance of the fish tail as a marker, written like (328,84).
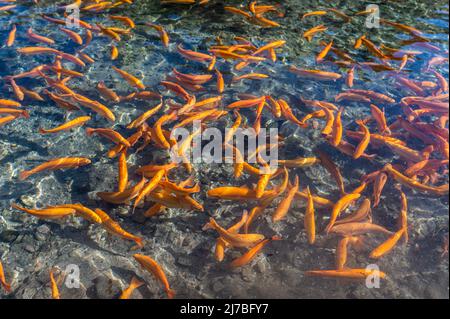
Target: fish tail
(24,175)
(26,114)
(208,225)
(7,287)
(89,131)
(136,283)
(42,131)
(170,293)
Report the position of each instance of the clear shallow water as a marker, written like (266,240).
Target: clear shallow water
(29,247)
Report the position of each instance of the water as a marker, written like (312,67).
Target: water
(30,247)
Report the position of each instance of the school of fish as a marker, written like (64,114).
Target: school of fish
(418,137)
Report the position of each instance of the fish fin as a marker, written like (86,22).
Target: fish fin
(170,293)
(24,175)
(136,283)
(89,131)
(7,287)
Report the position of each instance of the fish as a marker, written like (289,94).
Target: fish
(11,36)
(7,119)
(153,267)
(314,13)
(378,186)
(15,112)
(3,282)
(9,103)
(114,52)
(328,164)
(309,221)
(54,286)
(252,253)
(287,112)
(95,106)
(83,212)
(380,119)
(123,197)
(346,273)
(359,42)
(126,20)
(315,74)
(55,164)
(251,76)
(286,202)
(364,143)
(235,240)
(162,33)
(43,50)
(132,80)
(222,244)
(193,55)
(114,228)
(123,172)
(79,121)
(387,246)
(321,56)
(75,37)
(358,228)
(134,284)
(411,183)
(299,162)
(47,213)
(361,214)
(106,93)
(144,117)
(336,135)
(340,206)
(110,134)
(341,253)
(38,38)
(151,185)
(350,77)
(309,34)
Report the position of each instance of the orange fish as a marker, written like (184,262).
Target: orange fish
(134,284)
(356,228)
(324,52)
(106,93)
(364,143)
(11,36)
(114,228)
(47,213)
(55,164)
(79,121)
(151,185)
(252,253)
(110,134)
(388,245)
(286,202)
(162,33)
(346,273)
(379,117)
(54,286)
(3,282)
(309,222)
(336,135)
(378,186)
(235,240)
(132,80)
(152,266)
(409,182)
(340,206)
